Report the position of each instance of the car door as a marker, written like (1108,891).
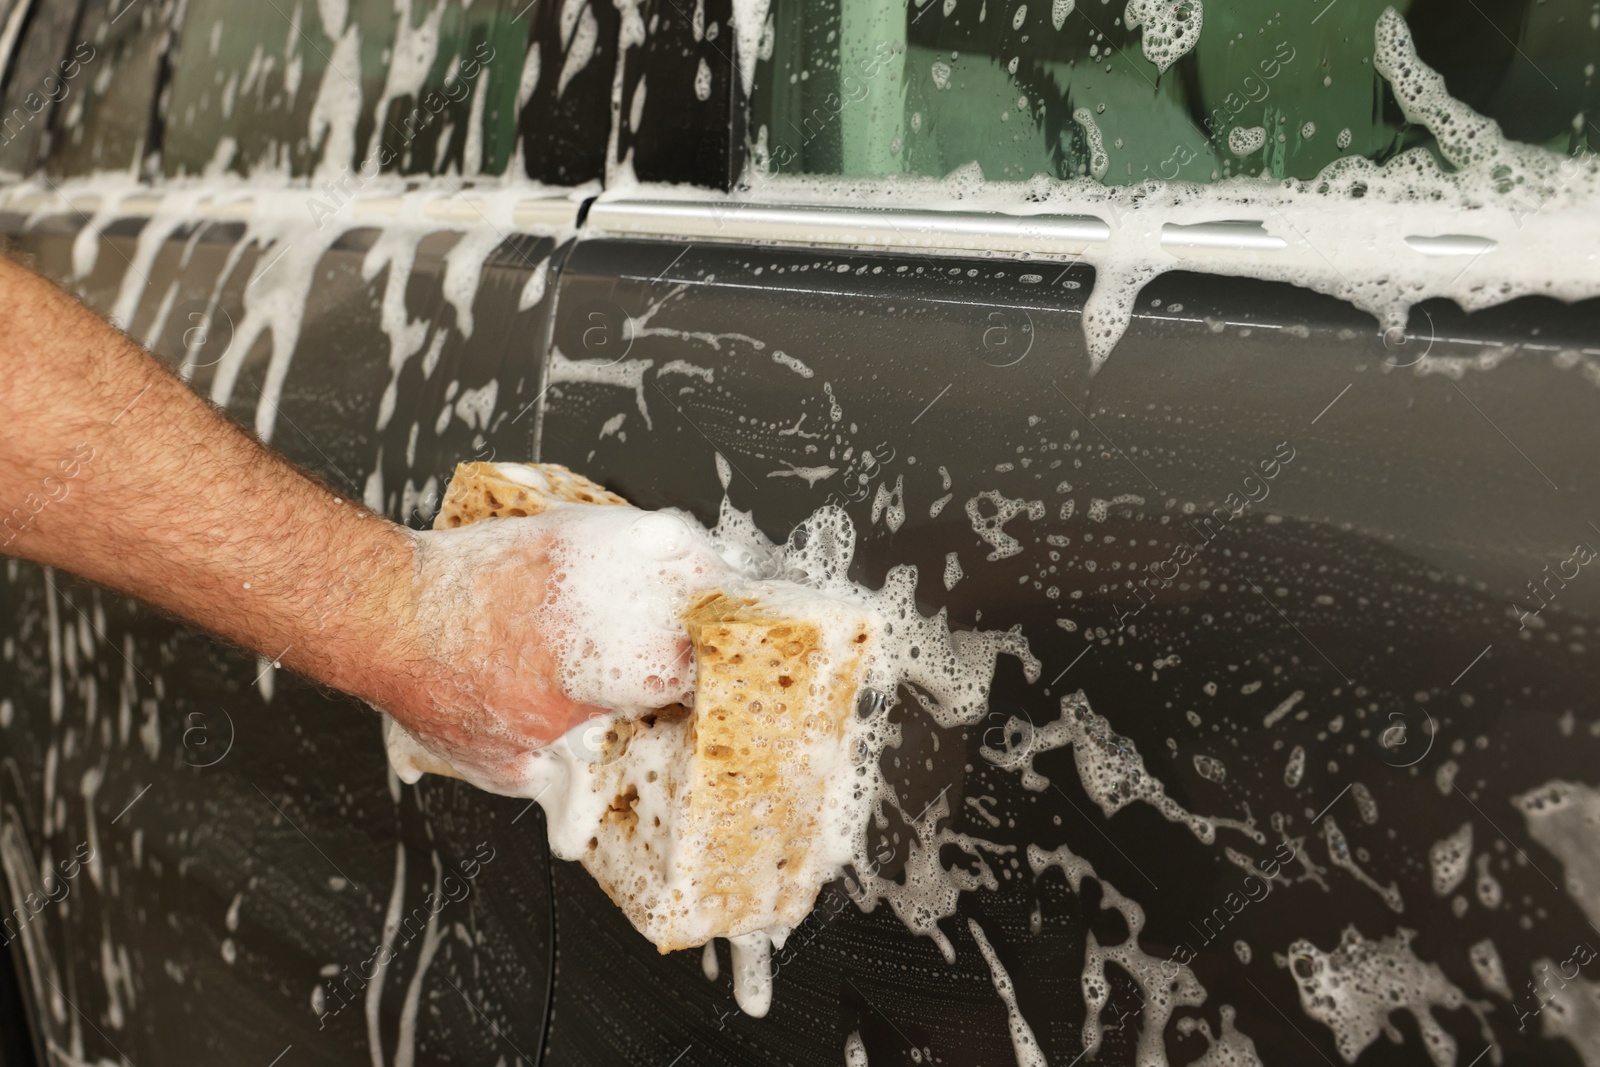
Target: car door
(1305,757)
(1340,650)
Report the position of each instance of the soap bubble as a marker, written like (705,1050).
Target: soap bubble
(660,535)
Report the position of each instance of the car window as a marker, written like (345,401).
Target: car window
(1174,89)
(246,80)
(103,119)
(463,119)
(682,98)
(45,61)
(566,118)
(303,88)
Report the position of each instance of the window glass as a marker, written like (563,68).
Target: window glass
(681,97)
(463,118)
(1174,89)
(409,88)
(246,80)
(566,120)
(103,118)
(46,60)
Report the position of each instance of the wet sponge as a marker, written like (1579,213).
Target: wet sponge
(509,490)
(721,819)
(774,691)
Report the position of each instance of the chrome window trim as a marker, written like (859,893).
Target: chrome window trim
(884,228)
(940,231)
(236,203)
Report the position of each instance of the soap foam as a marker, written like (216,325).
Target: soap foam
(1164,985)
(1343,232)
(1448,858)
(1486,964)
(620,582)
(614,789)
(1353,988)
(1171,28)
(1563,817)
(1231,1049)
(927,890)
(1023,1043)
(1341,855)
(1110,768)
(1572,1013)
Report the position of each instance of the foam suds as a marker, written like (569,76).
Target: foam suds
(1486,964)
(580,38)
(1342,233)
(1448,858)
(928,891)
(1164,984)
(624,374)
(1230,1049)
(1276,715)
(1572,1013)
(753,35)
(952,570)
(1099,162)
(1109,766)
(1564,817)
(1489,892)
(1023,1042)
(1353,988)
(1246,140)
(1295,769)
(1367,804)
(752,972)
(1340,855)
(290,228)
(621,581)
(992,527)
(1171,28)
(616,791)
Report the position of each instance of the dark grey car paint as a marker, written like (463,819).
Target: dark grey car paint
(270,799)
(1378,577)
(1404,504)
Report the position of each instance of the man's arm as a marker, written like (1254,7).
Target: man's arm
(113,469)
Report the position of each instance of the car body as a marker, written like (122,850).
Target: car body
(1369,625)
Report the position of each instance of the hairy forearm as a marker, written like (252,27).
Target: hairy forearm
(111,468)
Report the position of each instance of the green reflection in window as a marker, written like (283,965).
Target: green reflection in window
(880,87)
(247,81)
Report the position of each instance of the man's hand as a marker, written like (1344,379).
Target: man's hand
(113,469)
(524,628)
(469,672)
